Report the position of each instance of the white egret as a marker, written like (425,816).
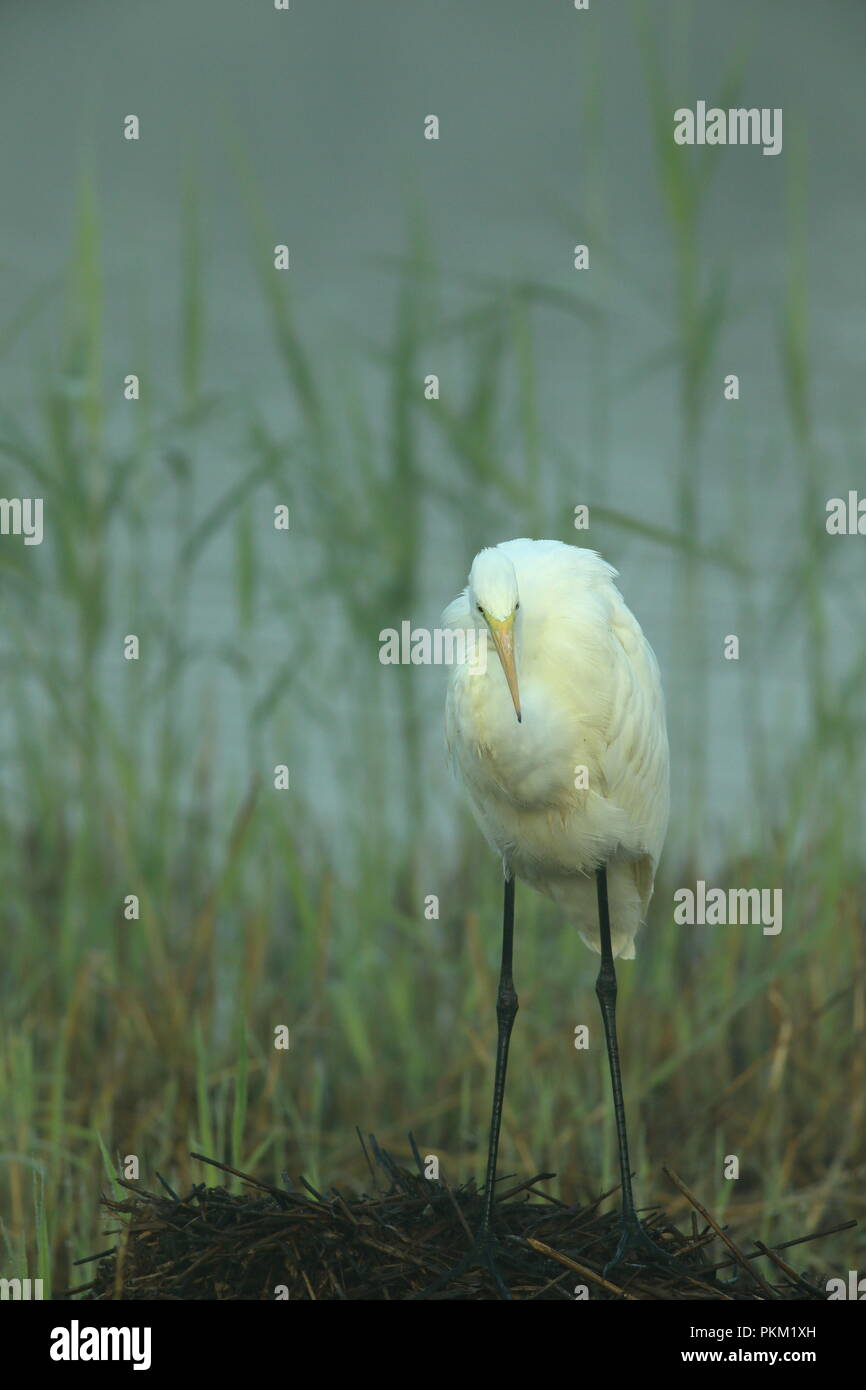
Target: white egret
(562,746)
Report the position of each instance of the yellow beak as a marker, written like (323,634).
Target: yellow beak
(502,633)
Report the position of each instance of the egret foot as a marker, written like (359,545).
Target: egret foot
(636,1240)
(481,1256)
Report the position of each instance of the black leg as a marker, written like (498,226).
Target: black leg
(506,1011)
(481,1255)
(634,1236)
(605,988)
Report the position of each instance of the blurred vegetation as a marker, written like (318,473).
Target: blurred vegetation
(154,1037)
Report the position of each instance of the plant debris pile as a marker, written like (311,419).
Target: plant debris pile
(401,1242)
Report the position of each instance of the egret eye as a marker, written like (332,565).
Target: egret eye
(517,605)
(480,609)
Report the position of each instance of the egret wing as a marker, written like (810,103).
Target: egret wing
(636,762)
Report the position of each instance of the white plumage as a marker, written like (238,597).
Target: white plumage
(589,697)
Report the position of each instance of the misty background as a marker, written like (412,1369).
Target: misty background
(558,387)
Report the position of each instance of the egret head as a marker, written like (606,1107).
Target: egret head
(494,600)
